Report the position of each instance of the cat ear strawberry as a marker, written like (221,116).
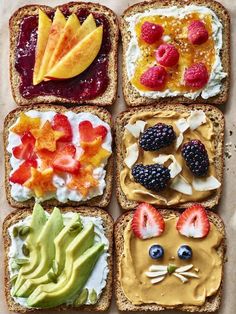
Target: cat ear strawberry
(194,222)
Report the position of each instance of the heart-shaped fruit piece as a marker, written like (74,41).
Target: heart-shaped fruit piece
(65,160)
(61,123)
(22,174)
(26,149)
(88,133)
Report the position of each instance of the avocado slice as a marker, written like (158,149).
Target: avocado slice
(81,271)
(62,240)
(38,220)
(46,251)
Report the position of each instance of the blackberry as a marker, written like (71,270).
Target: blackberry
(196,157)
(153,177)
(156,137)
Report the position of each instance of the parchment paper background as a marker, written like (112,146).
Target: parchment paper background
(227,206)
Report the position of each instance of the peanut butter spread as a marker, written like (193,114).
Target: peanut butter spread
(135,191)
(171,291)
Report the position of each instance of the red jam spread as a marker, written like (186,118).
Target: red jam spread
(88,85)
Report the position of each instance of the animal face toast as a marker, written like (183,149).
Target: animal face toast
(171,260)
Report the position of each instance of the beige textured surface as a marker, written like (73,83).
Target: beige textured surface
(228,203)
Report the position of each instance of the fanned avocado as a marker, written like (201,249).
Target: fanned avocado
(38,221)
(46,251)
(81,271)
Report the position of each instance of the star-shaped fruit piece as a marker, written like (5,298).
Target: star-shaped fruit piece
(94,153)
(25,124)
(46,137)
(40,181)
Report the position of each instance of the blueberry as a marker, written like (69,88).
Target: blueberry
(156,251)
(185,252)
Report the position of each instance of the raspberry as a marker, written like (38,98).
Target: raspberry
(156,137)
(196,75)
(153,177)
(154,77)
(151,32)
(167,55)
(196,157)
(197,33)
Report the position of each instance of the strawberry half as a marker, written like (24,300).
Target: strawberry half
(26,149)
(193,222)
(147,222)
(23,173)
(88,133)
(65,160)
(61,123)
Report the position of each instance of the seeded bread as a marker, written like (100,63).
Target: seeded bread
(108,97)
(132,97)
(212,303)
(100,201)
(105,300)
(214,114)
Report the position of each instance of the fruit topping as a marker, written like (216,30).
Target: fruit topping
(61,123)
(64,160)
(156,251)
(88,133)
(23,173)
(40,181)
(25,124)
(147,222)
(154,77)
(196,76)
(156,137)
(185,252)
(46,137)
(193,222)
(26,149)
(94,153)
(151,32)
(197,32)
(196,157)
(153,177)
(167,55)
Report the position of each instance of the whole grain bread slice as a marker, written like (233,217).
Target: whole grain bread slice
(213,113)
(110,94)
(100,201)
(212,303)
(131,95)
(105,300)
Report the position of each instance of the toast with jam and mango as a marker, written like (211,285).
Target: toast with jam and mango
(170,155)
(176,51)
(66,54)
(174,260)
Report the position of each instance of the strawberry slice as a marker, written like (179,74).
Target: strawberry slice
(88,133)
(26,149)
(147,222)
(65,160)
(23,173)
(193,222)
(61,123)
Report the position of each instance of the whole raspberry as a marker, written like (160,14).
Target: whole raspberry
(196,76)
(167,55)
(197,33)
(151,32)
(154,77)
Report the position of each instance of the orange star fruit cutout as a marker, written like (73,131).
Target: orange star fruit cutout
(25,124)
(46,137)
(40,182)
(46,157)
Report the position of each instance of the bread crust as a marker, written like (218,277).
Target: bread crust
(105,300)
(100,201)
(217,119)
(131,95)
(212,303)
(108,97)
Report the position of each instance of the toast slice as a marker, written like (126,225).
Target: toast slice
(214,114)
(132,96)
(100,201)
(108,96)
(105,299)
(212,303)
